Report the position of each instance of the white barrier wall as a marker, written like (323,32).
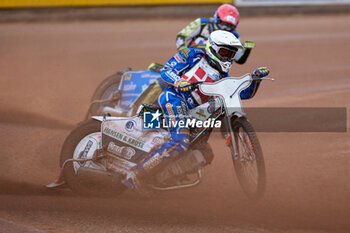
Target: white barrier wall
(288,2)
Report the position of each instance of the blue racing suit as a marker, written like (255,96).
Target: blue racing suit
(175,105)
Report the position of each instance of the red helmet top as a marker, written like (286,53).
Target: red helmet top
(228,14)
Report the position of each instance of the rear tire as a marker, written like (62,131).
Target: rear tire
(78,136)
(105,91)
(249,162)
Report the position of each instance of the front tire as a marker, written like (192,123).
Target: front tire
(249,161)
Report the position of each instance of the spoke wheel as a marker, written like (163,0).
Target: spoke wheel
(248,161)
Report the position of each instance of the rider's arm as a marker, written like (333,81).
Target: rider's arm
(178,64)
(242,56)
(250,91)
(259,73)
(190,31)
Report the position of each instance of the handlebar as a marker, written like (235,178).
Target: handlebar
(254,77)
(194,84)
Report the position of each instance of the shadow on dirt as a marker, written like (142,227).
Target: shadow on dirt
(26,118)
(8,187)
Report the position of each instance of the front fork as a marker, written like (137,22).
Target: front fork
(230,137)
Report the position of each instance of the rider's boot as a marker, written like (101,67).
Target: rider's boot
(136,177)
(131,181)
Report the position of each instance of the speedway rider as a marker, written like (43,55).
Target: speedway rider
(186,66)
(226,18)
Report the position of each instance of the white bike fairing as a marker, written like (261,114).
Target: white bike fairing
(229,90)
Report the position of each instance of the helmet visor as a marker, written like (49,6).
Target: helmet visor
(227,54)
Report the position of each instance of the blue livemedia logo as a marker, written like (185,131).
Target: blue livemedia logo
(151,120)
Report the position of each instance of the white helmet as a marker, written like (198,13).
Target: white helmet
(221,49)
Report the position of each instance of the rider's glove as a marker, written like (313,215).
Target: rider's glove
(249,44)
(261,72)
(183,85)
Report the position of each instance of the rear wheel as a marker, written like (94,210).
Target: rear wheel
(248,161)
(105,91)
(81,143)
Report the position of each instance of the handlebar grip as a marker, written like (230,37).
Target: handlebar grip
(195,84)
(255,77)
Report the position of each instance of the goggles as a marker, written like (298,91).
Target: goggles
(226,26)
(226,54)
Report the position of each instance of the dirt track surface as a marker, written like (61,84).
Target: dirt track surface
(48,73)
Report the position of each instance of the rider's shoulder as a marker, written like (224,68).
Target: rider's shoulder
(196,51)
(204,21)
(191,52)
(235,34)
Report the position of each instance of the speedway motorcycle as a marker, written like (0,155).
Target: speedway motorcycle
(98,154)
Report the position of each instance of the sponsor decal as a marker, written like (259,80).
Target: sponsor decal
(151,120)
(124,151)
(190,101)
(130,125)
(180,112)
(124,138)
(211,107)
(231,19)
(172,75)
(113,133)
(214,76)
(135,142)
(185,52)
(153,162)
(171,113)
(157,141)
(200,113)
(129,87)
(149,76)
(127,77)
(85,152)
(179,59)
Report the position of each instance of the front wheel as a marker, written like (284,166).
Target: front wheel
(248,160)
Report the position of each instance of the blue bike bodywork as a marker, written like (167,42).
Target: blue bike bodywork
(133,83)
